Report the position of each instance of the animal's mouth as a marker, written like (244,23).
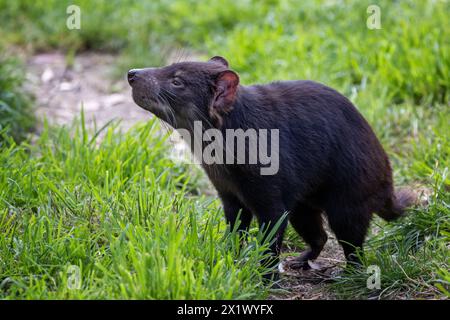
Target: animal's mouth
(151,101)
(143,100)
(154,105)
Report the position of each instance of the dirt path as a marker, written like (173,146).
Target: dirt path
(61,92)
(311,284)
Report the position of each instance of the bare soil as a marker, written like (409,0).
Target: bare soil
(61,91)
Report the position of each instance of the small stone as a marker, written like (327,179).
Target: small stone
(113,100)
(89,105)
(47,75)
(66,86)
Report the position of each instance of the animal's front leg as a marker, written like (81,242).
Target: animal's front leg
(273,223)
(237,215)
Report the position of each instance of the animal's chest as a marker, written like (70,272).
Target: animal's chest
(221,177)
(242,183)
(226,179)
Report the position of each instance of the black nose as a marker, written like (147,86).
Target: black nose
(131,75)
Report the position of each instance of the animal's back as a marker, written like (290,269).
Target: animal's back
(327,149)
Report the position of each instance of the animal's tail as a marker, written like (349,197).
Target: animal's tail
(395,207)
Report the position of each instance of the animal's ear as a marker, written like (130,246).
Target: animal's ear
(219,60)
(224,96)
(226,86)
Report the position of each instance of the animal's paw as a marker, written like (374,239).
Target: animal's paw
(301,262)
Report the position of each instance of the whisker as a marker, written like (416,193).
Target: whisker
(171,116)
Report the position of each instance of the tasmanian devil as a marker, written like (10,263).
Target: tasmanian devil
(330,161)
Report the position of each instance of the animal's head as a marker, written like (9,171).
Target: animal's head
(187,91)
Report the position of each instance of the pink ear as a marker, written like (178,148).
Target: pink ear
(226,86)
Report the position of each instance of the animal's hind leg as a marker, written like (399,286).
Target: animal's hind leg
(307,221)
(350,225)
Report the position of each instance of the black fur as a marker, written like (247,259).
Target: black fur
(330,160)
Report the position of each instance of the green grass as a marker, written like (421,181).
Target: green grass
(123,213)
(16,114)
(137,224)
(411,253)
(407,60)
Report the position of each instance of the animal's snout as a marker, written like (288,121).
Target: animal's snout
(132,75)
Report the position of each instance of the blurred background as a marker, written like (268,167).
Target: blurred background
(406,61)
(393,62)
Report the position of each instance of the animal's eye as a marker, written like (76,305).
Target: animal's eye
(176,83)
